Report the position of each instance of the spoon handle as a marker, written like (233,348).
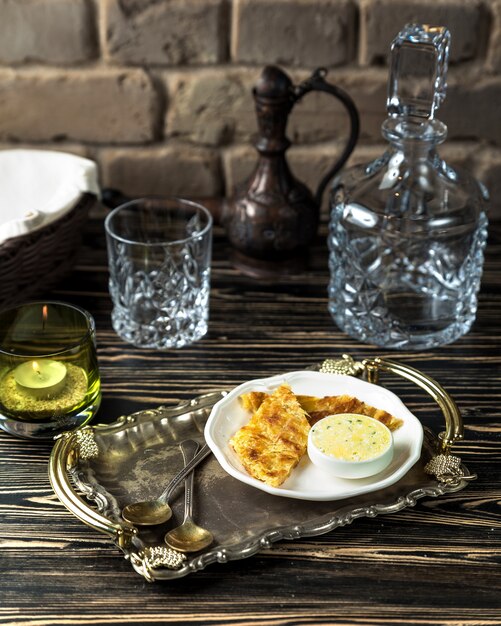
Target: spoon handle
(180,476)
(189,449)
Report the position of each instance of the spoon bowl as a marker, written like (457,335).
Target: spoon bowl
(158,511)
(188,537)
(147,513)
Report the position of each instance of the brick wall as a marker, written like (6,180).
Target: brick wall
(158,91)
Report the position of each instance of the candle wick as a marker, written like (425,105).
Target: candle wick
(44,316)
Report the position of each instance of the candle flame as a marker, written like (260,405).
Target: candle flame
(44,315)
(35,367)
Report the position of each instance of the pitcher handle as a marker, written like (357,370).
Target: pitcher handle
(317,82)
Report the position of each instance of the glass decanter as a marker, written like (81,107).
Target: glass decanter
(407,231)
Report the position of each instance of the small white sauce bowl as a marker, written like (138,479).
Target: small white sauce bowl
(326,429)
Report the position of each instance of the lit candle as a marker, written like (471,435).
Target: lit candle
(44,378)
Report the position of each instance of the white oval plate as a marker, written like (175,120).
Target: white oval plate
(308,482)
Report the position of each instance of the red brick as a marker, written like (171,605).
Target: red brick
(470,109)
(47,31)
(381,20)
(167,170)
(212,106)
(100,105)
(293,32)
(165,33)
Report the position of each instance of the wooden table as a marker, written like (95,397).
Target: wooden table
(436,563)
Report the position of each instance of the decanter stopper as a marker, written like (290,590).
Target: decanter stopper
(418,73)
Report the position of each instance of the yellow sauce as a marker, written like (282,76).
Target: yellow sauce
(351,437)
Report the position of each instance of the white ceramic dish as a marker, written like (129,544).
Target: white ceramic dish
(335,429)
(307,481)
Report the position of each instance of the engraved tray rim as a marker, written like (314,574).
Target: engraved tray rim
(161,563)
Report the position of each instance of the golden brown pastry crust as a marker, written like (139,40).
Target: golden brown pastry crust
(275,438)
(252,401)
(317,408)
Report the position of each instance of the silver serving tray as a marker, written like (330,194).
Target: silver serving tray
(97,470)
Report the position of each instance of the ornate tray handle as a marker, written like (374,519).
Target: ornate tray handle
(444,466)
(69,448)
(453,422)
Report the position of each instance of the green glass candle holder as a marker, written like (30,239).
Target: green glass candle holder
(49,375)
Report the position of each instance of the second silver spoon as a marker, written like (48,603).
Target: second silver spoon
(189,537)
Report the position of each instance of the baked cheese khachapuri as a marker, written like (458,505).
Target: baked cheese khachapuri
(274,440)
(317,408)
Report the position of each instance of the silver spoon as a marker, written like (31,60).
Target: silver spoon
(152,512)
(188,537)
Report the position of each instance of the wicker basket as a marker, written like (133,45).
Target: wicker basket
(35,262)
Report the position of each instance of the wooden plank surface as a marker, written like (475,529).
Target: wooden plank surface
(436,563)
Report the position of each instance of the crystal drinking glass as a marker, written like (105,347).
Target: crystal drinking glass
(159,253)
